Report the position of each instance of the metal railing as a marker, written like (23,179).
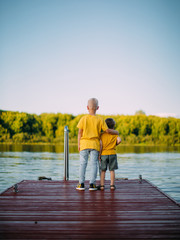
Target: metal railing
(66,153)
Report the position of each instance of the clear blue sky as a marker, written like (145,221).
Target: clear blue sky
(55,54)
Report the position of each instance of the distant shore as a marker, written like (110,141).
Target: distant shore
(48,128)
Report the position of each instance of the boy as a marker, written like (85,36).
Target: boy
(108,154)
(90,127)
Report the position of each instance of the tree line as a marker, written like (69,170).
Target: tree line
(49,127)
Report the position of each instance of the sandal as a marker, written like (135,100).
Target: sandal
(100,187)
(112,187)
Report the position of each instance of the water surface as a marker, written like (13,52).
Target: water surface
(161,166)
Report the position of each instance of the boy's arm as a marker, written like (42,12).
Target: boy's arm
(100,150)
(112,131)
(80,133)
(118,141)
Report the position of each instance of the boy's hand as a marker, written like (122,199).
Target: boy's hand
(79,148)
(118,141)
(99,157)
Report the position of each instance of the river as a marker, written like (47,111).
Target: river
(159,165)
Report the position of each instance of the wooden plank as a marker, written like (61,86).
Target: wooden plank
(56,210)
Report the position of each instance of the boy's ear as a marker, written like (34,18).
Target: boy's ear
(97,108)
(87,107)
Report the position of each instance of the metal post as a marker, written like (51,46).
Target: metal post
(66,153)
(140,178)
(15,188)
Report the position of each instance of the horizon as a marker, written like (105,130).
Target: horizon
(161,115)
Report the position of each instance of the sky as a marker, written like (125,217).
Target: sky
(56,54)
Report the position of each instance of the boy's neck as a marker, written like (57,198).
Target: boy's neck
(92,112)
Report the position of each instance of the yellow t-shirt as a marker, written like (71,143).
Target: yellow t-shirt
(108,144)
(92,127)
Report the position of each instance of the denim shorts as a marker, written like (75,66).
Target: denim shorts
(109,160)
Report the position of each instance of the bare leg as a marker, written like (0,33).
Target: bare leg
(102,177)
(112,173)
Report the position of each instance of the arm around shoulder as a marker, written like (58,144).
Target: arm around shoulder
(112,131)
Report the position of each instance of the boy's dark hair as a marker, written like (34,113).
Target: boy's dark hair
(110,122)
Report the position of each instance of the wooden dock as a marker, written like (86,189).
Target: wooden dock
(56,210)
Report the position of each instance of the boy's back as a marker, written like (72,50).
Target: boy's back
(109,143)
(91,126)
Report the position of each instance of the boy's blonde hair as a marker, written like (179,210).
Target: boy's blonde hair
(93,103)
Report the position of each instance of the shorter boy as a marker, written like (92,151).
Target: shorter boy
(108,153)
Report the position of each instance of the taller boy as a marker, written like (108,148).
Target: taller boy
(90,127)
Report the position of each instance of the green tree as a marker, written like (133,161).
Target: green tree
(49,127)
(140,112)
(49,124)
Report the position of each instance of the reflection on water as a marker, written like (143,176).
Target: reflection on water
(73,148)
(160,165)
(58,148)
(146,149)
